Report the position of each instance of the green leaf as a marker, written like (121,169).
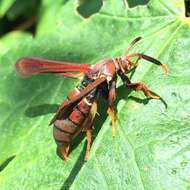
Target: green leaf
(23,9)
(11,39)
(47,22)
(151,147)
(4,6)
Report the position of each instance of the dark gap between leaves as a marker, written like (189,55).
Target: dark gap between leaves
(187,8)
(6,162)
(87,8)
(21,18)
(17,24)
(133,3)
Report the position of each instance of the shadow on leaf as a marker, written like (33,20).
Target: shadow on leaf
(41,110)
(6,162)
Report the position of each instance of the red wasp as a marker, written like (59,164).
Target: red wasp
(76,113)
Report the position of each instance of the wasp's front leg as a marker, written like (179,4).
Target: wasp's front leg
(140,86)
(137,86)
(111,99)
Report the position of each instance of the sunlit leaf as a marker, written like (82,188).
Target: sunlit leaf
(151,147)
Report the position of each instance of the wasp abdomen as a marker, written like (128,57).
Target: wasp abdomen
(63,131)
(69,125)
(77,116)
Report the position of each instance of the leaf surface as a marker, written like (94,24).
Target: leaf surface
(151,147)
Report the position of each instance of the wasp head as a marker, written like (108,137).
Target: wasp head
(126,64)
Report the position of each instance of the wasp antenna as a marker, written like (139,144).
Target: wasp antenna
(155,61)
(132,44)
(151,59)
(164,68)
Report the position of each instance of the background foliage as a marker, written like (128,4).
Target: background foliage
(151,149)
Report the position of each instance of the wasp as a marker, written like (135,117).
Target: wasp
(76,113)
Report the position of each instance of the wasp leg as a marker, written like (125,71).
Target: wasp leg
(140,86)
(111,99)
(64,150)
(111,113)
(137,86)
(88,146)
(87,126)
(71,75)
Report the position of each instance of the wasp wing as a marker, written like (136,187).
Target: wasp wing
(66,108)
(30,65)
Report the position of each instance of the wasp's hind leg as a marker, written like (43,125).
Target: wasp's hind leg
(111,99)
(111,113)
(87,127)
(89,141)
(64,151)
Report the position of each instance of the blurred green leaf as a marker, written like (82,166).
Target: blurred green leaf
(151,147)
(23,8)
(48,16)
(4,6)
(20,15)
(11,39)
